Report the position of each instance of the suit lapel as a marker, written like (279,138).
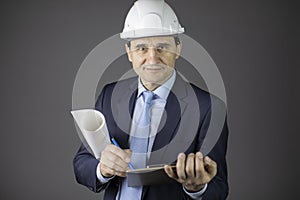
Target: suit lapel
(177,103)
(174,110)
(124,107)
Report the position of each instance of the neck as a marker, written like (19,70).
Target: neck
(151,86)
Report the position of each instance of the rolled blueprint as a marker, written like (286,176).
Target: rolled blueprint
(93,128)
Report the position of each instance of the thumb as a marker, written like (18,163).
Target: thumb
(210,166)
(128,151)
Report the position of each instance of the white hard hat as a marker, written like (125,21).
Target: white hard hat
(149,18)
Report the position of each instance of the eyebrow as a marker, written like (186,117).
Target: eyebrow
(139,45)
(159,44)
(164,44)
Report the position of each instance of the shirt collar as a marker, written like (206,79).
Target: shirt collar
(162,91)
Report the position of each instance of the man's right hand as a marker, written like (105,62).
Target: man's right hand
(114,161)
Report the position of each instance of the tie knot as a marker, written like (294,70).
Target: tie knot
(148,96)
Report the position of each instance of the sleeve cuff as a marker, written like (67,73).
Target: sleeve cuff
(195,195)
(100,177)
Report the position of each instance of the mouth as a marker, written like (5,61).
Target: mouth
(154,68)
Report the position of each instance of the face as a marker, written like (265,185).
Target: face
(153,59)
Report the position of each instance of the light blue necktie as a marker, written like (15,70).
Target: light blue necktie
(139,147)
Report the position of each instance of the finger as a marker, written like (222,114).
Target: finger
(210,166)
(199,169)
(118,152)
(129,152)
(190,166)
(110,159)
(180,166)
(121,174)
(105,171)
(114,162)
(109,172)
(169,171)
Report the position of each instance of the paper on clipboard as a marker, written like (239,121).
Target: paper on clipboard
(93,127)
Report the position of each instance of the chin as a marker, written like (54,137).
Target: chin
(155,81)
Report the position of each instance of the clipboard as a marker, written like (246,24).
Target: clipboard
(151,175)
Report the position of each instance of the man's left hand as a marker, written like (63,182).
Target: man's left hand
(193,171)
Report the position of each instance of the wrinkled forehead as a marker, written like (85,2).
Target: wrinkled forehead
(154,41)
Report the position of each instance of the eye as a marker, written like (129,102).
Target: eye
(141,49)
(161,47)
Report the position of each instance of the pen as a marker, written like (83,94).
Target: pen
(116,144)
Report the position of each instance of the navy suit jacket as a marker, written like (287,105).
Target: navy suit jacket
(183,129)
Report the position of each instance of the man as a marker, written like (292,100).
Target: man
(176,112)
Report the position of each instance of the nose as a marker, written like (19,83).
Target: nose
(152,56)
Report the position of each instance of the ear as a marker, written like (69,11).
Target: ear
(178,50)
(129,55)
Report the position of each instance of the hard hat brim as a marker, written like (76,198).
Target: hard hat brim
(149,32)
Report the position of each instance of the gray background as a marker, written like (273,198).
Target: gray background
(44,42)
